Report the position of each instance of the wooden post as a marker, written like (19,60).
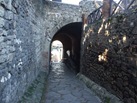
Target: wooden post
(106,9)
(84,19)
(84,22)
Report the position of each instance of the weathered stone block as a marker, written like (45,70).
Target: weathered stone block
(1,39)
(11,49)
(8,15)
(2,45)
(2,21)
(7,4)
(4,51)
(1,11)
(3,32)
(3,58)
(15,3)
(10,56)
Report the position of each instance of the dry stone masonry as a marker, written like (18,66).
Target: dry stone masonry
(109,54)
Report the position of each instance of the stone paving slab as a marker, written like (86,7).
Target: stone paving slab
(65,87)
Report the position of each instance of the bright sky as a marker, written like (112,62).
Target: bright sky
(76,2)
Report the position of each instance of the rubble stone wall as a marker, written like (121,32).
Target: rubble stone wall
(109,54)
(21,37)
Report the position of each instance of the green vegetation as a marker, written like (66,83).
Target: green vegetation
(107,100)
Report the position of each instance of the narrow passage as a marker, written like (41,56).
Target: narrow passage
(64,87)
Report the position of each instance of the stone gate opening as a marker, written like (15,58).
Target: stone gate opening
(70,37)
(56,51)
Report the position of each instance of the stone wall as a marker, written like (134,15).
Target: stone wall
(109,54)
(26,30)
(21,42)
(58,15)
(88,6)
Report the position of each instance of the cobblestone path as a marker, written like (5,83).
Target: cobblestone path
(64,87)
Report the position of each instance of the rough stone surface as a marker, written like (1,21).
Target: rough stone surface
(109,54)
(20,49)
(1,11)
(26,30)
(65,87)
(87,6)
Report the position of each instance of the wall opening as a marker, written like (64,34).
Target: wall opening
(70,37)
(56,51)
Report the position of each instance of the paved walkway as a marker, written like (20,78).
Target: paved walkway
(64,87)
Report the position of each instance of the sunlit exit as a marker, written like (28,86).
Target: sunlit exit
(56,51)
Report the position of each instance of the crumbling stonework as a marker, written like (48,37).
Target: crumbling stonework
(109,54)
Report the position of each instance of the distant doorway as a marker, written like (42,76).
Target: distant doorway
(56,51)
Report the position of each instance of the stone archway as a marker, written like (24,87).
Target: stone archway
(48,39)
(70,36)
